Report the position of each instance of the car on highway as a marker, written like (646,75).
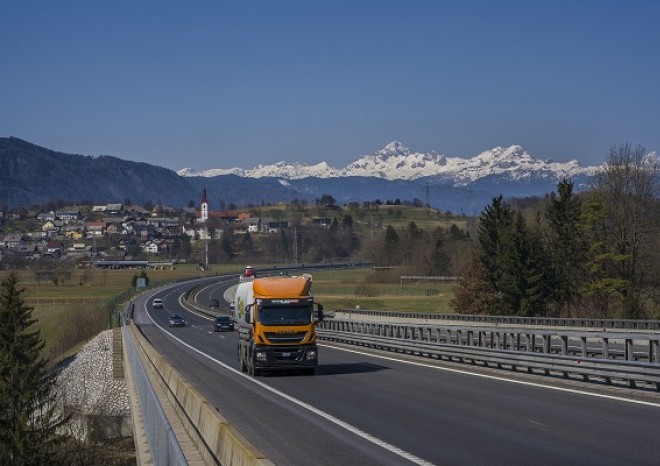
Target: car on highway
(157,303)
(223,323)
(176,320)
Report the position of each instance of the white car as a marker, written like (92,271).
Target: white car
(158,303)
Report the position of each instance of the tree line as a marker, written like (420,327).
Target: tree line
(593,254)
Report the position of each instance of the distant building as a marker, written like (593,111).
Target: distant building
(204,208)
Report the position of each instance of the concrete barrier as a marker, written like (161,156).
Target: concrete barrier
(217,441)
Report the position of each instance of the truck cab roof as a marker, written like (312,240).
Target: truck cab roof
(282,287)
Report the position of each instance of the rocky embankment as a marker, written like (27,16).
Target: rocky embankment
(87,384)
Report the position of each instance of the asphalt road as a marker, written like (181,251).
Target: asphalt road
(364,409)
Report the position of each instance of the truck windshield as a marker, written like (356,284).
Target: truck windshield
(299,315)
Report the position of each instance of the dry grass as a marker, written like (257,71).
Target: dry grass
(70,313)
(348,289)
(65,313)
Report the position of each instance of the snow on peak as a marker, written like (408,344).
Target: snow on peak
(212,172)
(393,149)
(395,161)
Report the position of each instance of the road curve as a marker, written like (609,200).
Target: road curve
(363,409)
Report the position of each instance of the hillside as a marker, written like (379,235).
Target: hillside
(33,175)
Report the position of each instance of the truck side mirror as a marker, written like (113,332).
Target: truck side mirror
(319,313)
(248,315)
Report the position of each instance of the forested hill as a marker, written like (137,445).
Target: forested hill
(30,175)
(33,175)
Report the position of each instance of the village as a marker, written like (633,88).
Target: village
(120,232)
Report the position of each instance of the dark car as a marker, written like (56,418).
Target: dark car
(177,321)
(223,323)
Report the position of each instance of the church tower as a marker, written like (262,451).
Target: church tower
(205,208)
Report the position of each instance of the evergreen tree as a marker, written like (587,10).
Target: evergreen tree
(566,247)
(411,246)
(226,243)
(248,245)
(495,250)
(391,246)
(533,289)
(28,421)
(513,260)
(604,285)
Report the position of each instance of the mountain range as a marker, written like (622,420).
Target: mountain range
(33,175)
(397,162)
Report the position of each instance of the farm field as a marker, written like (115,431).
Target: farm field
(90,295)
(86,295)
(347,289)
(398,216)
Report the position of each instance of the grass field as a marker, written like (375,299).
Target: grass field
(347,289)
(398,216)
(87,291)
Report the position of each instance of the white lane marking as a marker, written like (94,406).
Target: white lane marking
(494,377)
(360,433)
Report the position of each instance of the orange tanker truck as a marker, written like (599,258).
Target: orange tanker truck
(276,321)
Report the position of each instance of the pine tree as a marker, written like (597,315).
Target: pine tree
(532,290)
(566,247)
(495,252)
(226,243)
(604,285)
(513,260)
(28,420)
(437,260)
(391,246)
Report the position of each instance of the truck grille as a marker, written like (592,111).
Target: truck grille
(287,353)
(293,337)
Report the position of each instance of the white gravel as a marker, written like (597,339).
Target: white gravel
(86,384)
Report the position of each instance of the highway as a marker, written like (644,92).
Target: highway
(378,409)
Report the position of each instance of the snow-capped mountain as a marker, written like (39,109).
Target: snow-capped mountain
(397,162)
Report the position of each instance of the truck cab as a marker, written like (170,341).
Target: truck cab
(277,319)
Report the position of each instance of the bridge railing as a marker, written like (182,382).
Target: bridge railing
(164,448)
(624,324)
(612,356)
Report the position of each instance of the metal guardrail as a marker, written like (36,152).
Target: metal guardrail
(163,444)
(627,324)
(611,356)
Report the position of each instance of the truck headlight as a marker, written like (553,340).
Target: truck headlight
(311,354)
(260,356)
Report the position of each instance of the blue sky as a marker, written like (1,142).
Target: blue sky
(212,84)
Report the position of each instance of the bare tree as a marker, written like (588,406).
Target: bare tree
(630,184)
